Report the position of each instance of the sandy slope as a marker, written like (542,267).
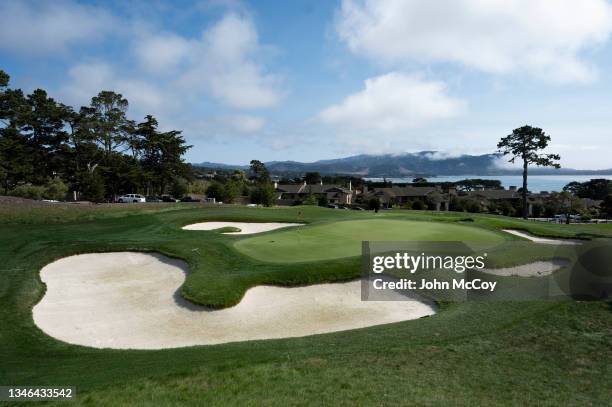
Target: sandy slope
(245,228)
(535,269)
(541,239)
(131,300)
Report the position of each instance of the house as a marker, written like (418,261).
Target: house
(591,203)
(400,195)
(510,194)
(439,199)
(294,194)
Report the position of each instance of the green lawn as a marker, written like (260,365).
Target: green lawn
(474,353)
(343,239)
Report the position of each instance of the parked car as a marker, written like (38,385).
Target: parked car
(131,198)
(189,199)
(153,198)
(332,206)
(357,208)
(168,198)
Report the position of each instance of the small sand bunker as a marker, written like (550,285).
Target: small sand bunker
(535,269)
(541,239)
(245,227)
(131,300)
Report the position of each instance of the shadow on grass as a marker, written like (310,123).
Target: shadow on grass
(184,303)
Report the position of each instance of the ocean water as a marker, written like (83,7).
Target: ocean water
(536,183)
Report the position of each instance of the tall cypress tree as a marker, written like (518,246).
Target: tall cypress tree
(524,144)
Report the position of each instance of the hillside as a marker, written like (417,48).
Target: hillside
(405,165)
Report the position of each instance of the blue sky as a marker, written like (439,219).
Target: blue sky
(308,80)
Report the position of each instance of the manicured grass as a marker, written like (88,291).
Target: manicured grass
(530,355)
(343,239)
(474,353)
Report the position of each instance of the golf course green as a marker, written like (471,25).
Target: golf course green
(490,353)
(343,239)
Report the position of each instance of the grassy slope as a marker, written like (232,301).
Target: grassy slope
(475,352)
(343,239)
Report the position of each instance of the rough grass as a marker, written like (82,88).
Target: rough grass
(470,353)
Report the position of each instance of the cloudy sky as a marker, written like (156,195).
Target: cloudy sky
(308,80)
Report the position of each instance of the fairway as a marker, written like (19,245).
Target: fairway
(343,239)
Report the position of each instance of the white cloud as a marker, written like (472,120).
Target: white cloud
(503,163)
(246,124)
(43,27)
(233,74)
(543,38)
(443,155)
(85,81)
(178,79)
(148,97)
(392,102)
(88,79)
(162,53)
(223,63)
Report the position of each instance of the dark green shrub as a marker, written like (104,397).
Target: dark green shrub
(179,188)
(29,191)
(55,189)
(216,191)
(374,204)
(93,188)
(418,205)
(310,200)
(263,194)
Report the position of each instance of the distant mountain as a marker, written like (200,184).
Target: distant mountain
(219,166)
(424,163)
(391,165)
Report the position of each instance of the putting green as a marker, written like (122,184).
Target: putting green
(343,239)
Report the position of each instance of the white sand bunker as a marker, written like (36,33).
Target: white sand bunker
(245,227)
(535,269)
(541,239)
(130,300)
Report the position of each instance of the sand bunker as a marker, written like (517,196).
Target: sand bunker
(130,300)
(541,239)
(245,228)
(535,269)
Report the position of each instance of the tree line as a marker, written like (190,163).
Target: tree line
(257,186)
(49,148)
